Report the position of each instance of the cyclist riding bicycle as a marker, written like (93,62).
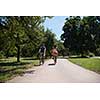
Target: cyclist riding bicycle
(42,52)
(54,53)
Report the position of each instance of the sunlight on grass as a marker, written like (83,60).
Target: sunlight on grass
(9,68)
(89,63)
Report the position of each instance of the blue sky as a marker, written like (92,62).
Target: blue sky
(55,24)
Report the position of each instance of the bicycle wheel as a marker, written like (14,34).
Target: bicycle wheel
(41,59)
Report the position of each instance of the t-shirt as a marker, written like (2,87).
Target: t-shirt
(54,52)
(42,49)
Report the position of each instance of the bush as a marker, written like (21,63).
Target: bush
(12,53)
(91,54)
(98,52)
(1,54)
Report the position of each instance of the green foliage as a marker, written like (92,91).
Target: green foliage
(49,40)
(81,35)
(91,54)
(61,49)
(1,54)
(23,35)
(97,52)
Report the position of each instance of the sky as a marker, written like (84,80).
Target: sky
(55,24)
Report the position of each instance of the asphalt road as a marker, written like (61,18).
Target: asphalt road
(63,72)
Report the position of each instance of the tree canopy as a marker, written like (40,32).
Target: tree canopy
(82,34)
(22,35)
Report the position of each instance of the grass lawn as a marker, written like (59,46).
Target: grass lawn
(88,63)
(9,68)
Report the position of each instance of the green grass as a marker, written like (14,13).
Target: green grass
(9,68)
(88,63)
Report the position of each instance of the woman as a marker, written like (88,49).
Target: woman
(54,53)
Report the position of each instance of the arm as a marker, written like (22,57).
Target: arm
(44,52)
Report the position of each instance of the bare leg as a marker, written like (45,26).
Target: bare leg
(55,60)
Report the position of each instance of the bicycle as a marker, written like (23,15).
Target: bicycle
(41,58)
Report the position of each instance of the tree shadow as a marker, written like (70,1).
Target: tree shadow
(79,57)
(51,64)
(29,72)
(13,63)
(9,70)
(3,70)
(30,58)
(37,64)
(2,60)
(13,67)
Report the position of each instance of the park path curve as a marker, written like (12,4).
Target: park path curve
(63,72)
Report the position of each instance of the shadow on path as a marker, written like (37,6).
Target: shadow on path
(29,72)
(51,64)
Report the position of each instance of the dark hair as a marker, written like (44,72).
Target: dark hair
(55,46)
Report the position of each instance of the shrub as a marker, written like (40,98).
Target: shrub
(1,54)
(91,54)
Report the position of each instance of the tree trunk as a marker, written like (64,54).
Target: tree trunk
(18,48)
(18,53)
(7,53)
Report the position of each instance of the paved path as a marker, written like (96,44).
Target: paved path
(63,72)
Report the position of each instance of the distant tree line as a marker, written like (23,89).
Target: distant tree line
(82,35)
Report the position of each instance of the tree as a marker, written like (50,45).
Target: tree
(23,34)
(60,48)
(81,34)
(26,30)
(71,33)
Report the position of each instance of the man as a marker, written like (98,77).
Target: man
(54,53)
(42,53)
